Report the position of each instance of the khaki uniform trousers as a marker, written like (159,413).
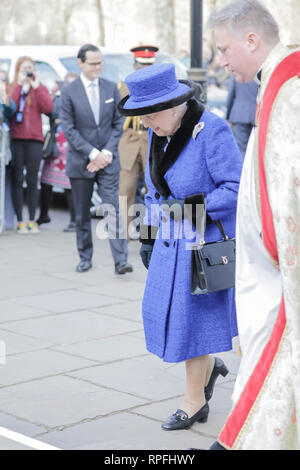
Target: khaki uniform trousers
(133,149)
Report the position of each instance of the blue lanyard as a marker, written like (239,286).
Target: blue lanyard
(22,101)
(19,115)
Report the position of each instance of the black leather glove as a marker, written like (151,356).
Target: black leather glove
(146,253)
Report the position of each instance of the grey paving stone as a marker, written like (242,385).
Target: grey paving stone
(9,444)
(32,365)
(67,300)
(18,343)
(8,271)
(130,310)
(61,401)
(119,288)
(19,425)
(11,311)
(73,327)
(89,278)
(144,377)
(33,285)
(108,349)
(125,431)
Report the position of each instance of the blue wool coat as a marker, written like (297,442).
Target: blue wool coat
(179,326)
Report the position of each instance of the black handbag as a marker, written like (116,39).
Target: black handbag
(213,263)
(50,149)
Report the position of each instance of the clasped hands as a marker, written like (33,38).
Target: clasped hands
(101,161)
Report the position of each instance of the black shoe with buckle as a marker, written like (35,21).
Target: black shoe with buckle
(219,369)
(180,419)
(122,268)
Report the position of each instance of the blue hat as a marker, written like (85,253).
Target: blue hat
(153,89)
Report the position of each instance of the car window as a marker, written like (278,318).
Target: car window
(47,74)
(5,64)
(70,64)
(180,68)
(117,66)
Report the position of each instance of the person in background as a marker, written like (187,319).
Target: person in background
(8,109)
(133,146)
(92,126)
(54,169)
(266,401)
(241,110)
(32,99)
(192,154)
(184,57)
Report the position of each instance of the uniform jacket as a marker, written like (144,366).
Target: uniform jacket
(81,130)
(134,141)
(178,325)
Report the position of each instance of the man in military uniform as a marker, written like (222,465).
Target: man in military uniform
(133,145)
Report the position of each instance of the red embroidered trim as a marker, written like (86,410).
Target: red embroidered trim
(287,69)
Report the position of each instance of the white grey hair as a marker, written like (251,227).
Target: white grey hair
(244,14)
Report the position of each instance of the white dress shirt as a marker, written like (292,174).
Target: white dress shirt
(86,83)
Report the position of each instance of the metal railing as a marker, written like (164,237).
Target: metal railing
(2,179)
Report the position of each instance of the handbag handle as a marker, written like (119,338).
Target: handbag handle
(203,226)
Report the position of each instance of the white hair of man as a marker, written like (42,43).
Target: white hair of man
(242,15)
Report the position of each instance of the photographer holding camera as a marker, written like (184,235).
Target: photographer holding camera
(32,99)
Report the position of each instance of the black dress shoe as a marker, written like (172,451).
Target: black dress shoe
(84,265)
(180,419)
(122,268)
(70,228)
(219,369)
(43,220)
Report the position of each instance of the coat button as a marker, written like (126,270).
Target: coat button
(166,243)
(157,195)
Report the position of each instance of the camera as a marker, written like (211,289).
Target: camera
(30,75)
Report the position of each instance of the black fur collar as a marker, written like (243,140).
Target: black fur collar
(160,161)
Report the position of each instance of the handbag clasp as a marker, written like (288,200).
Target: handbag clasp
(224,259)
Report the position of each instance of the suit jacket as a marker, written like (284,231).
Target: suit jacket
(81,130)
(241,102)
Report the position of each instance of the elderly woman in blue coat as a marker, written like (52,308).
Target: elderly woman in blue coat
(192,154)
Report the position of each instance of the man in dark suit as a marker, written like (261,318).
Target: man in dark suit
(241,110)
(93,127)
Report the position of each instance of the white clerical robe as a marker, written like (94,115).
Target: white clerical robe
(266,397)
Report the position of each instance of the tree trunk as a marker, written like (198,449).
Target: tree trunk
(100,22)
(165,25)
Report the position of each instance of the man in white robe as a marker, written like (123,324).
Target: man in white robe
(266,397)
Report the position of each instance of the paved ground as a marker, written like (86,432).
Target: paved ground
(74,371)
